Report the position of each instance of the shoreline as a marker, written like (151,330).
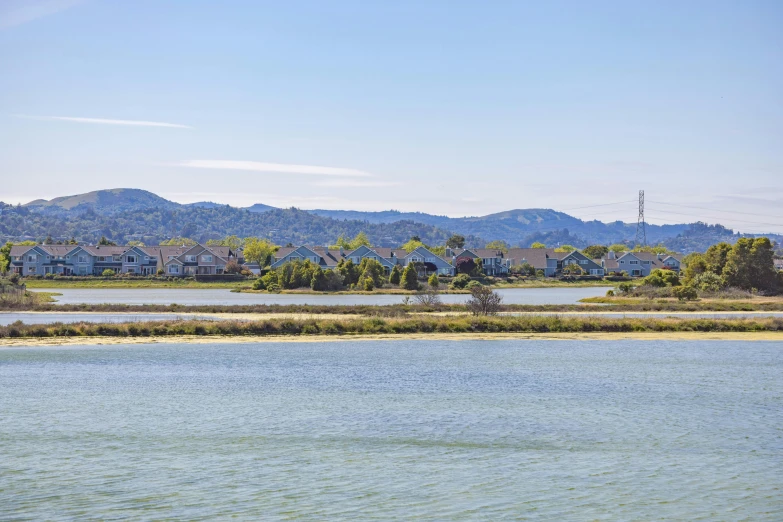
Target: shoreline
(32,342)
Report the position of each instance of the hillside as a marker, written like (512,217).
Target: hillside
(105,201)
(133,214)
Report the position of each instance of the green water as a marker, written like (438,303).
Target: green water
(479,430)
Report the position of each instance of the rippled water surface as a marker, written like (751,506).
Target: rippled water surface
(215,296)
(488,430)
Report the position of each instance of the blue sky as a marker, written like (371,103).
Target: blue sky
(457,108)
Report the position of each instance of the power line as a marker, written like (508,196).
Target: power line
(601,205)
(714,209)
(713,217)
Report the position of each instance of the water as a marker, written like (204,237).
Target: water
(488,430)
(7,318)
(214,296)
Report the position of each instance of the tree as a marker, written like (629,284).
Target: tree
(694,264)
(657,249)
(233,242)
(371,269)
(177,241)
(429,298)
(538,245)
(497,245)
(412,245)
(396,275)
(409,280)
(661,278)
(136,243)
(433,281)
(259,250)
(465,265)
(349,272)
(232,267)
(715,257)
(318,281)
(595,251)
(106,242)
(573,269)
(460,282)
(618,248)
(456,241)
(525,269)
(750,264)
(348,245)
(565,248)
(483,301)
(5,257)
(685,293)
(48,240)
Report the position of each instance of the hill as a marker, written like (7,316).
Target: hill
(105,201)
(133,214)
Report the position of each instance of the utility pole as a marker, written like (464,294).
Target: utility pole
(641,230)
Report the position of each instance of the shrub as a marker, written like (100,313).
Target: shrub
(395,276)
(610,293)
(369,285)
(108,273)
(49,276)
(625,288)
(433,281)
(409,280)
(707,282)
(685,293)
(232,267)
(259,284)
(540,274)
(460,282)
(473,284)
(483,301)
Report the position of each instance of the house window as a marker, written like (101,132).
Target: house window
(130,270)
(131,259)
(206,259)
(583,261)
(117,259)
(101,258)
(634,262)
(31,270)
(190,259)
(32,259)
(645,262)
(82,259)
(173,269)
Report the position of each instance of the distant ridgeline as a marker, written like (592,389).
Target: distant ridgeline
(124,215)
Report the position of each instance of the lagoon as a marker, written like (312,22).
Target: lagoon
(404,429)
(214,296)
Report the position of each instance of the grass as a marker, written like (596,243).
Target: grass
(376,325)
(131,283)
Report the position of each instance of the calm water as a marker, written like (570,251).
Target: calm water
(394,430)
(207,296)
(7,318)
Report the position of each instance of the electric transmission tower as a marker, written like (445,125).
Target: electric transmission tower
(641,231)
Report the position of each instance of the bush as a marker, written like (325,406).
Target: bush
(685,293)
(160,272)
(610,293)
(707,282)
(473,284)
(483,301)
(433,281)
(259,284)
(369,285)
(460,282)
(409,280)
(540,274)
(395,276)
(625,288)
(108,273)
(49,276)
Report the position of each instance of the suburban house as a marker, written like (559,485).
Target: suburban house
(493,262)
(639,264)
(321,256)
(544,259)
(588,266)
(428,262)
(40,260)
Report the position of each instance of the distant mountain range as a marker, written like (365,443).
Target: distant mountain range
(127,214)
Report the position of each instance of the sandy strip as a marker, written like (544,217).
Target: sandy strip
(219,339)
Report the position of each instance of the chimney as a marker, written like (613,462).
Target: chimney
(342,253)
(660,257)
(449,253)
(611,255)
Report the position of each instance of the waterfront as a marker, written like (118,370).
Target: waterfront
(402,429)
(205,296)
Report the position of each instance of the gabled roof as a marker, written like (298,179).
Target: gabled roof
(59,250)
(104,250)
(535,257)
(20,250)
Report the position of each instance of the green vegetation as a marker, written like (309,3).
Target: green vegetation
(497,245)
(378,325)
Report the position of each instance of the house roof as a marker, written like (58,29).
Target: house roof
(331,258)
(19,250)
(535,257)
(59,250)
(104,250)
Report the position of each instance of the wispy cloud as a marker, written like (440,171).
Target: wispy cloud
(17,12)
(104,121)
(341,183)
(257,166)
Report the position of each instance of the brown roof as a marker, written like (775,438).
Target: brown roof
(59,250)
(18,250)
(103,250)
(536,257)
(330,257)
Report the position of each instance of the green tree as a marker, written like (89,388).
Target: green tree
(177,241)
(371,269)
(348,245)
(618,248)
(497,245)
(662,278)
(5,257)
(412,245)
(565,248)
(409,280)
(396,275)
(259,250)
(750,265)
(318,280)
(456,241)
(233,242)
(136,243)
(595,251)
(694,264)
(433,281)
(657,249)
(108,273)
(538,245)
(105,242)
(349,272)
(716,257)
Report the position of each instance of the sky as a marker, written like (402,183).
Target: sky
(453,108)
